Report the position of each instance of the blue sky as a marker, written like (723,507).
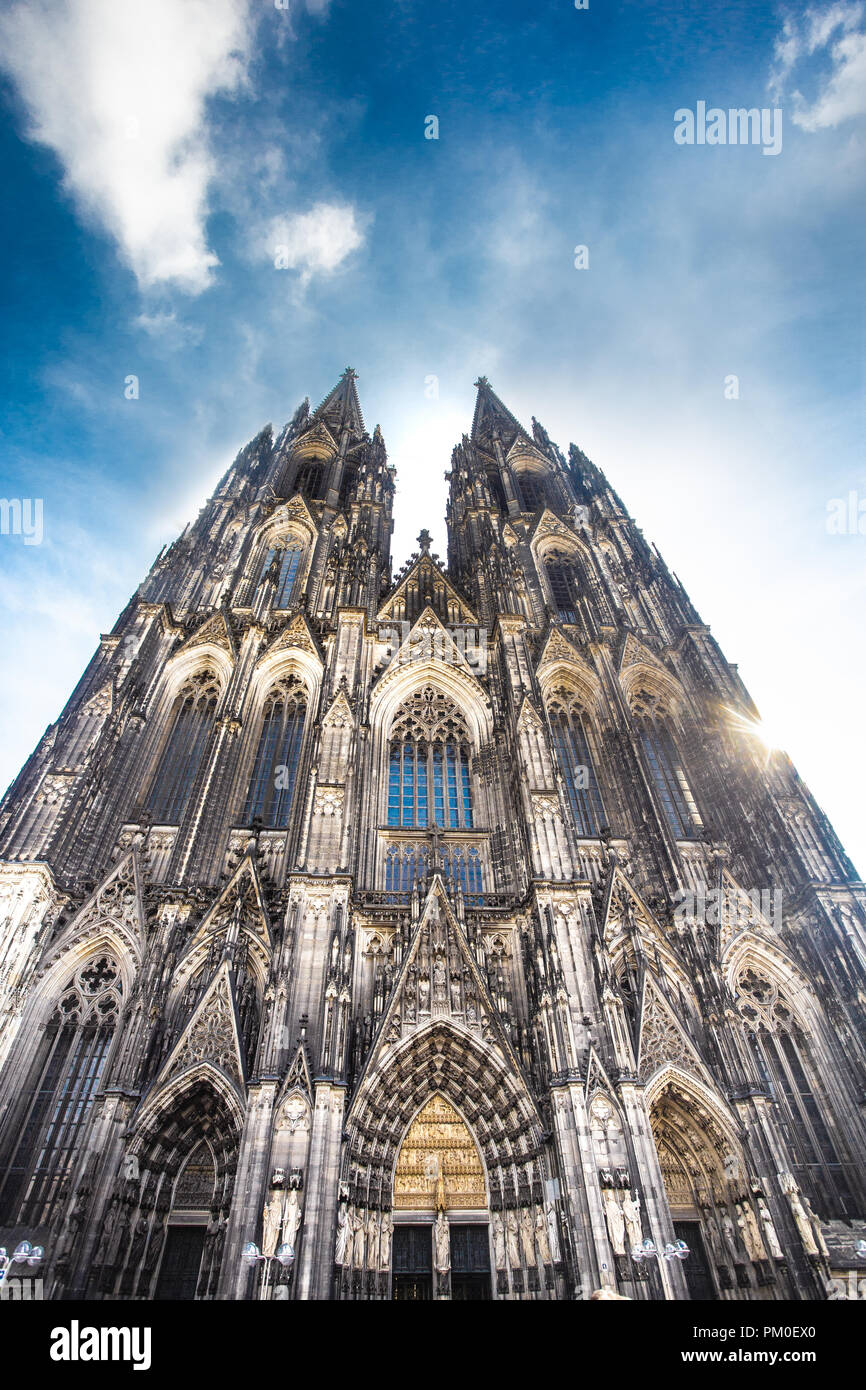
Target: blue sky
(157,153)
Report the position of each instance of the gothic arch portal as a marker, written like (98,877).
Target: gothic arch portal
(714,1202)
(440,1082)
(167,1243)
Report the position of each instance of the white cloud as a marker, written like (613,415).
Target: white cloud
(117,90)
(838,35)
(315,242)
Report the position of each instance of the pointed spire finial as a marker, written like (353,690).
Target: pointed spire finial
(425,540)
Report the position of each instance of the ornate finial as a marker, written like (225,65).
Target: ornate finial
(425,540)
(482,381)
(351,374)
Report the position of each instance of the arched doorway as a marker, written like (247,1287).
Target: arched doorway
(440,1205)
(186,1227)
(488,1139)
(707,1192)
(185,1143)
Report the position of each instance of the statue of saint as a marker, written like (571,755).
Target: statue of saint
(373,1240)
(751,1232)
(730,1236)
(386,1230)
(292,1218)
(804,1225)
(553,1232)
(342,1234)
(527,1236)
(615,1221)
(512,1239)
(272,1222)
(771,1240)
(442,1244)
(631,1213)
(356,1221)
(816,1229)
(498,1229)
(542,1239)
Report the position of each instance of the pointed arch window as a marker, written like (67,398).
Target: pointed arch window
(497,491)
(429,779)
(575,760)
(533,492)
(49,1122)
(348,484)
(563,588)
(310,479)
(668,774)
(462,864)
(278,754)
(282,563)
(782,1052)
(192,722)
(406,865)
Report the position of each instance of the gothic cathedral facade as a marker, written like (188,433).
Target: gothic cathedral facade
(445,934)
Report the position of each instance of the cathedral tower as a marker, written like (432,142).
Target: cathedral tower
(443,935)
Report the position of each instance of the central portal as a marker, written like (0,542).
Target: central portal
(441,1235)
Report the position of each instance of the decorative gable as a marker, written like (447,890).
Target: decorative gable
(440,980)
(214,632)
(295,636)
(549,524)
(662,1039)
(212,1033)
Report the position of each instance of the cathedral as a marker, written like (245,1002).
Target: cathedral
(446,934)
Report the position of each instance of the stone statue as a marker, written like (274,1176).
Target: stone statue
(512,1239)
(542,1239)
(816,1229)
(356,1221)
(498,1229)
(749,1233)
(711,1233)
(771,1240)
(527,1236)
(730,1236)
(373,1240)
(442,1244)
(615,1221)
(386,1230)
(292,1218)
(343,1232)
(271,1223)
(804,1225)
(553,1232)
(631,1213)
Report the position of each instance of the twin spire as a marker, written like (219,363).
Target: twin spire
(341,409)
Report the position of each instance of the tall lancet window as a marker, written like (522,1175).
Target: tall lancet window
(782,1051)
(310,479)
(276,768)
(533,493)
(575,760)
(185,747)
(666,770)
(52,1110)
(429,780)
(564,589)
(283,563)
